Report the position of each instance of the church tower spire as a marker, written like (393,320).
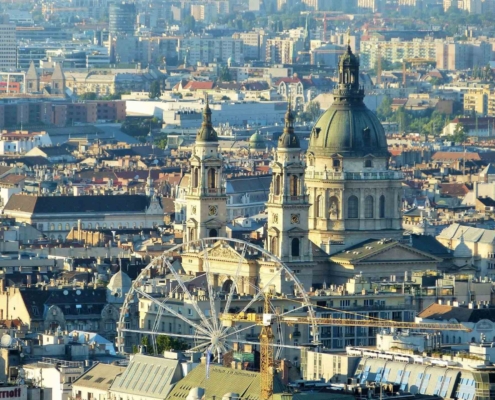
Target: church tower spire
(206,199)
(288,204)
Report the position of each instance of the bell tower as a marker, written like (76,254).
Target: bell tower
(288,203)
(206,199)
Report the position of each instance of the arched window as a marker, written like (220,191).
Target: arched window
(90,225)
(334,207)
(97,226)
(274,246)
(277,185)
(368,164)
(195,177)
(382,206)
(213,233)
(336,163)
(318,206)
(353,207)
(212,178)
(52,227)
(368,207)
(447,339)
(67,227)
(295,247)
(294,185)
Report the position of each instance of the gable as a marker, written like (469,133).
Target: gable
(224,251)
(401,253)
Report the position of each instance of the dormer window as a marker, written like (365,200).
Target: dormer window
(336,163)
(368,164)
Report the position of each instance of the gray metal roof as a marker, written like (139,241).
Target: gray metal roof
(148,376)
(468,233)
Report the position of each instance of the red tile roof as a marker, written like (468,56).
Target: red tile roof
(196,85)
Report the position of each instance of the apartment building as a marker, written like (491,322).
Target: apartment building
(207,49)
(395,50)
(462,55)
(8,44)
(283,50)
(448,55)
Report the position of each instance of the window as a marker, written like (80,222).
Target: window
(382,206)
(277,185)
(274,245)
(368,164)
(195,177)
(295,247)
(319,206)
(212,178)
(352,207)
(294,185)
(368,207)
(67,227)
(336,163)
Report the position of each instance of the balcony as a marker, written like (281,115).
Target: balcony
(353,176)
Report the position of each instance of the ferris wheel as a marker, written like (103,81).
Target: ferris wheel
(188,291)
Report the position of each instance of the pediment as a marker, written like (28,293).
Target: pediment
(213,223)
(296,231)
(224,251)
(401,253)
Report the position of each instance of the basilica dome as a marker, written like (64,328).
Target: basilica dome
(348,127)
(256,141)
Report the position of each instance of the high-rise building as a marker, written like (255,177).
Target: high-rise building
(122,18)
(8,44)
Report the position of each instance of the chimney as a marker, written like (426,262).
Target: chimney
(475,189)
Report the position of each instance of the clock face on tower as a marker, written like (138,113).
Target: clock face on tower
(212,210)
(294,218)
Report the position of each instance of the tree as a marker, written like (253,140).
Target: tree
(225,75)
(163,343)
(155,90)
(88,96)
(459,135)
(314,110)
(189,23)
(384,110)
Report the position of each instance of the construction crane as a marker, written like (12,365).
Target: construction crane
(266,337)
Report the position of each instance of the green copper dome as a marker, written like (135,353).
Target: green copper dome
(256,141)
(348,127)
